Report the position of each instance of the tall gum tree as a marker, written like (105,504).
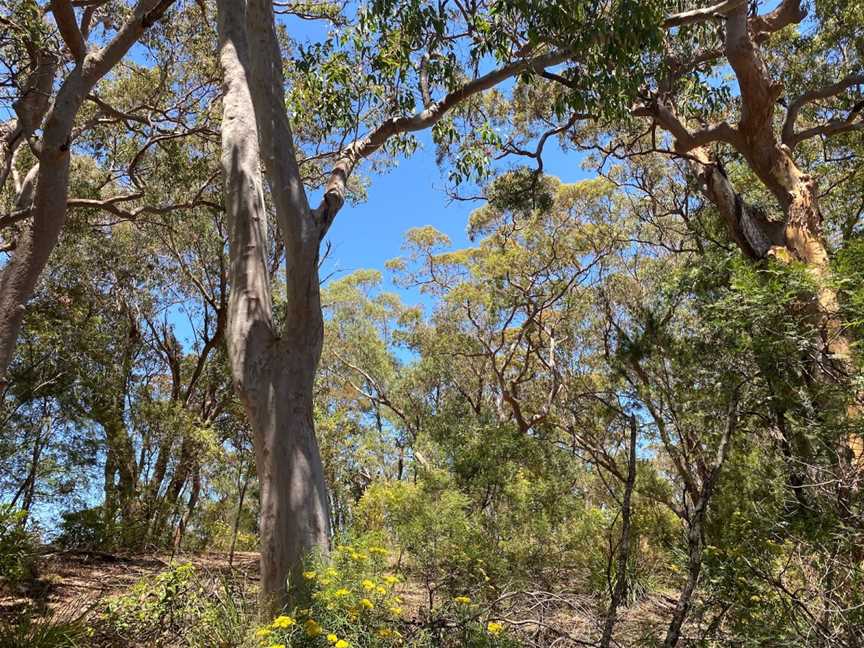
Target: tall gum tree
(47,184)
(274,365)
(769,144)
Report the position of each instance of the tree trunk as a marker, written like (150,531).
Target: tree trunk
(236,528)
(694,567)
(273,376)
(186,517)
(48,211)
(619,593)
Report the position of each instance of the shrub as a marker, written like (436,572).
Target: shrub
(178,607)
(17,548)
(84,529)
(355,604)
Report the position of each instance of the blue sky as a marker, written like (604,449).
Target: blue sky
(412,195)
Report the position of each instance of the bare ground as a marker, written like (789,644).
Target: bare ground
(78,580)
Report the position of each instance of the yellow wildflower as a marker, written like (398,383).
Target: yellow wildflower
(395,610)
(341,592)
(283,622)
(331,573)
(332,638)
(310,575)
(368,585)
(390,579)
(325,581)
(494,628)
(381,551)
(462,600)
(313,628)
(366,603)
(263,633)
(276,646)
(342,644)
(380,590)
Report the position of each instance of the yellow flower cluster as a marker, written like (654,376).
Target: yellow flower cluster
(462,600)
(283,622)
(354,587)
(337,642)
(311,627)
(494,628)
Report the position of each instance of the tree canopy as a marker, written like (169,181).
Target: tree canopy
(623,410)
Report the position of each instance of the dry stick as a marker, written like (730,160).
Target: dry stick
(620,591)
(249,469)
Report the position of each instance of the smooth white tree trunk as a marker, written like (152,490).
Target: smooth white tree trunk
(273,371)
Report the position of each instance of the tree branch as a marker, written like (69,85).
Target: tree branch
(334,195)
(789,136)
(699,15)
(64,16)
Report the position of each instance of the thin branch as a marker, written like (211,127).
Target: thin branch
(334,196)
(699,15)
(790,138)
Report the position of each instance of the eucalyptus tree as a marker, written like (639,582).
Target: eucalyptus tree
(87,44)
(774,144)
(402,68)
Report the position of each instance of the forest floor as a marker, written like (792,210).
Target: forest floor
(75,582)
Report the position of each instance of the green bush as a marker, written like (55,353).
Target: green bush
(180,607)
(17,548)
(84,529)
(355,603)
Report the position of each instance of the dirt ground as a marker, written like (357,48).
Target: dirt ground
(77,580)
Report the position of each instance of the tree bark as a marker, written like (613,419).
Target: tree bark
(274,376)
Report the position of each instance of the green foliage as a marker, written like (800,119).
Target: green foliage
(68,628)
(178,607)
(17,547)
(84,529)
(445,543)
